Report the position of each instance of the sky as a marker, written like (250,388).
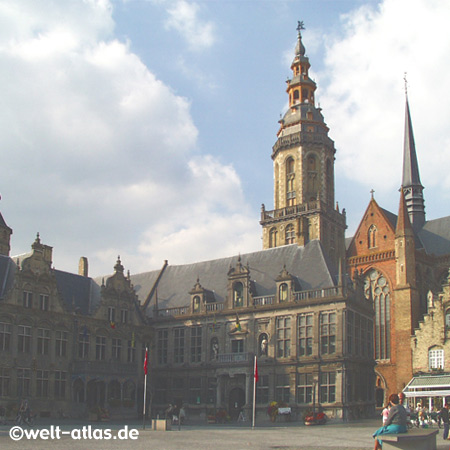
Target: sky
(144,128)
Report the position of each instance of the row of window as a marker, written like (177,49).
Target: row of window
(45,386)
(58,346)
(43,301)
(196,388)
(283,339)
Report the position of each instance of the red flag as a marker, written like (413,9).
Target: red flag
(256,371)
(146,361)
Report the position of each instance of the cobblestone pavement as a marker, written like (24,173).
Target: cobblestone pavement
(288,436)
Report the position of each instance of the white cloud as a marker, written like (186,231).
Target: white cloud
(184,17)
(98,154)
(364,99)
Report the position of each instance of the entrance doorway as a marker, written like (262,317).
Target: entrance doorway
(236,402)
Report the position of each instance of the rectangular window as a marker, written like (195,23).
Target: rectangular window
(23,382)
(282,388)
(116,348)
(83,345)
(42,383)
(178,345)
(100,348)
(44,302)
(124,316)
(305,388)
(196,344)
(5,382)
(161,390)
(327,387)
(237,346)
(436,359)
(162,346)
(305,334)
(61,343)
(43,341)
(328,333)
(262,389)
(195,390)
(24,339)
(60,384)
(111,314)
(27,299)
(283,337)
(5,336)
(131,352)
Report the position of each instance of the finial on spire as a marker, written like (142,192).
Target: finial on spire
(371,193)
(405,79)
(300,26)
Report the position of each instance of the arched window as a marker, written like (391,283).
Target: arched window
(312,180)
(436,358)
(238,295)
(296,95)
(376,288)
(372,236)
(196,304)
(283,292)
(329,181)
(290,182)
(290,234)
(273,235)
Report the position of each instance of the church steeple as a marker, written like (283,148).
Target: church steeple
(411,185)
(303,157)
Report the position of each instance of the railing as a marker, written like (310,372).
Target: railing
(264,300)
(177,311)
(213,307)
(232,358)
(316,293)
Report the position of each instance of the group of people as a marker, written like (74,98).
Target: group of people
(395,417)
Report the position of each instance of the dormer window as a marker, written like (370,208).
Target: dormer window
(238,295)
(283,292)
(196,304)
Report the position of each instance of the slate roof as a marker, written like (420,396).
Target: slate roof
(435,236)
(79,293)
(307,264)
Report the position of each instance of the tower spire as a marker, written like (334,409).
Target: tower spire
(411,185)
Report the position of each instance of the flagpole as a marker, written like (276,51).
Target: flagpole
(145,385)
(145,398)
(254,392)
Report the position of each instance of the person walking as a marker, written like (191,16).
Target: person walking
(444,414)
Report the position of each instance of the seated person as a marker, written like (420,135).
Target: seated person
(395,422)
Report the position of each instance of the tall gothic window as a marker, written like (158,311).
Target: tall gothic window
(329,179)
(376,288)
(273,238)
(290,182)
(313,180)
(372,236)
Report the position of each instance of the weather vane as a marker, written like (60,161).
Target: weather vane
(300,26)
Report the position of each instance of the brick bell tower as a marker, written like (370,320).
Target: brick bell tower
(303,162)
